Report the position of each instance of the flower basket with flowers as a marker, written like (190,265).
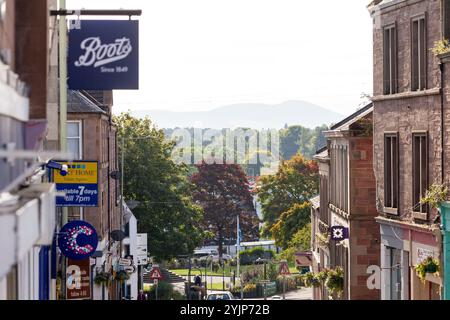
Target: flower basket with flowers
(102,278)
(335,281)
(122,276)
(427,266)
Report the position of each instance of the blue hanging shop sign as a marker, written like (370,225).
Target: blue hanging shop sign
(78,240)
(103,55)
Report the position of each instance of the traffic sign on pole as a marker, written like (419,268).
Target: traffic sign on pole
(284,269)
(155,273)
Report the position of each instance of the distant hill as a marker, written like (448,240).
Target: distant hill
(248,115)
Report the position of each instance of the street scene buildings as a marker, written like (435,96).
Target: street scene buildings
(94,205)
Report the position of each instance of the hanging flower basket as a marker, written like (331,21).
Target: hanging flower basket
(322,276)
(427,266)
(122,276)
(102,278)
(310,280)
(335,281)
(323,240)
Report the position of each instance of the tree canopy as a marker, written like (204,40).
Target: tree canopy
(285,198)
(161,188)
(223,191)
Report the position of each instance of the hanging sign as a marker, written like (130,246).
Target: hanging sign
(103,55)
(78,284)
(78,240)
(339,233)
(80,184)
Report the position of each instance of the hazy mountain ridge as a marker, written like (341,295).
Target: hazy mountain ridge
(249,115)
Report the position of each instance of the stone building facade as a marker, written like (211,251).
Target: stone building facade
(93,137)
(409,154)
(347,199)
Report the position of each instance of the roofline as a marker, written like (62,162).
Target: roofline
(321,150)
(353,115)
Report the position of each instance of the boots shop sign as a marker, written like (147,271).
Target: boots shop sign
(103,55)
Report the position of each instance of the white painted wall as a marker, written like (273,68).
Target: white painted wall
(133,281)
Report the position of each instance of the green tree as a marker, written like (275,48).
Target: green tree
(165,209)
(284,198)
(300,241)
(290,222)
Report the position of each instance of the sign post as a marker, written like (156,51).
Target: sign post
(155,275)
(284,271)
(155,283)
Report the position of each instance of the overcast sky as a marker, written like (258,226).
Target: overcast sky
(203,54)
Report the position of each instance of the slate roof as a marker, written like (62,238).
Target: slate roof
(78,103)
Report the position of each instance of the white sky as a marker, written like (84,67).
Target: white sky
(202,54)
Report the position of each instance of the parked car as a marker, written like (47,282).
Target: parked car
(226,295)
(225,257)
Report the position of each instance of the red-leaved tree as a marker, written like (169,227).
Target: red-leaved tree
(224,192)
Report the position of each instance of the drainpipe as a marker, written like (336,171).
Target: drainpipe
(445,220)
(442,69)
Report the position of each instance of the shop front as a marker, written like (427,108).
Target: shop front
(403,247)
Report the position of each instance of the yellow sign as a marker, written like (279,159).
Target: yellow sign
(78,173)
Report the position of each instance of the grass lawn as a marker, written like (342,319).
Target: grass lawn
(228,271)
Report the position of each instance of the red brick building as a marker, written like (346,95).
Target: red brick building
(410,149)
(347,199)
(92,136)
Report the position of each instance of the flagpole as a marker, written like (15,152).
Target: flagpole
(238,237)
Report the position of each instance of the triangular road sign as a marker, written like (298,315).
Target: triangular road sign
(284,269)
(155,273)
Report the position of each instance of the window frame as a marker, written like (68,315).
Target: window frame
(414,19)
(418,213)
(80,137)
(391,209)
(393,59)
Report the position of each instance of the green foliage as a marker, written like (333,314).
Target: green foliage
(165,291)
(296,140)
(310,280)
(428,265)
(300,241)
(165,211)
(285,198)
(322,276)
(441,47)
(250,287)
(436,194)
(251,255)
(102,278)
(122,275)
(290,283)
(335,281)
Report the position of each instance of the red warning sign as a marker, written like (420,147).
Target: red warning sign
(155,273)
(284,269)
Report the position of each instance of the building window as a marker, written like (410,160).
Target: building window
(446,19)
(339,177)
(418,54)
(390,60)
(391,172)
(74,139)
(420,170)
